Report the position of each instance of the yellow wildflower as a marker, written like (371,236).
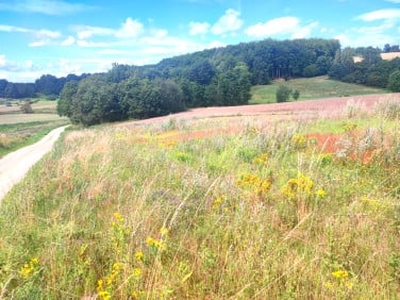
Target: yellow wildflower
(261,159)
(320,193)
(29,268)
(340,275)
(139,255)
(137,273)
(164,232)
(302,185)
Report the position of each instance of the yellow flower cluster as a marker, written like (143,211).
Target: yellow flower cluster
(251,181)
(139,255)
(349,127)
(299,141)
(261,159)
(118,220)
(300,186)
(342,280)
(106,285)
(341,275)
(29,268)
(218,202)
(160,243)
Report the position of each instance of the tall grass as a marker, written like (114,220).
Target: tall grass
(261,212)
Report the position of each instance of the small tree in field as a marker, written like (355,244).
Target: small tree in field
(296,94)
(394,81)
(283,93)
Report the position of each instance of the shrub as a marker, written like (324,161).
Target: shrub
(283,93)
(394,81)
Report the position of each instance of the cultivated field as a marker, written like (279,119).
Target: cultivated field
(294,201)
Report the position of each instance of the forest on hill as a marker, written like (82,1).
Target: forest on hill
(214,77)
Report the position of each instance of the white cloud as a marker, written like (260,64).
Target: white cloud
(2,60)
(41,37)
(8,28)
(229,22)
(68,41)
(84,32)
(130,28)
(90,44)
(197,28)
(276,26)
(381,14)
(44,37)
(48,7)
(304,32)
(393,1)
(385,20)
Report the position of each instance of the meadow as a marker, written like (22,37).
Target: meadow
(201,209)
(18,130)
(311,88)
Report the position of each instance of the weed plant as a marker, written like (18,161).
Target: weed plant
(261,213)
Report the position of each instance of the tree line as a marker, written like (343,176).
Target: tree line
(370,69)
(48,86)
(214,77)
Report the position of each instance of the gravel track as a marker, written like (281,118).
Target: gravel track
(15,165)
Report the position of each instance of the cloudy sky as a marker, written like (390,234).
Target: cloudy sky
(59,37)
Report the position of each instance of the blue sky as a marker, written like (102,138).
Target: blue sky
(59,37)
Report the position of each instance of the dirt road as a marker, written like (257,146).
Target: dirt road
(15,165)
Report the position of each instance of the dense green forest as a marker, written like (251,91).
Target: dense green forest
(214,77)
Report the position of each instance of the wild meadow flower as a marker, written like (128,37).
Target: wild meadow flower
(106,285)
(137,273)
(139,255)
(320,193)
(340,275)
(254,183)
(29,268)
(164,232)
(300,186)
(299,141)
(218,202)
(349,127)
(158,244)
(261,159)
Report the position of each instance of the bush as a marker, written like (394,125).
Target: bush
(296,94)
(283,93)
(394,81)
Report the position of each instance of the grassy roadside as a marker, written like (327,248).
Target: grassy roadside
(16,136)
(311,88)
(20,130)
(261,212)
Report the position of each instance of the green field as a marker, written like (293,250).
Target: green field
(311,88)
(256,211)
(18,130)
